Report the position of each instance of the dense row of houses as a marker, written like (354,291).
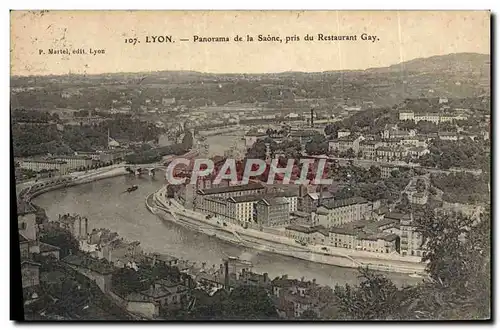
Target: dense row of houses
(389,233)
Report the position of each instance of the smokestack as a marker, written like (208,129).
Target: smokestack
(226,274)
(320,197)
(79,226)
(86,226)
(312,117)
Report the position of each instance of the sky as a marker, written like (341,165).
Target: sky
(400,36)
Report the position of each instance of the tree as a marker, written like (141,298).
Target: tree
(375,172)
(376,298)
(187,140)
(61,238)
(459,269)
(350,153)
(126,280)
(421,185)
(309,314)
(318,145)
(332,130)
(249,303)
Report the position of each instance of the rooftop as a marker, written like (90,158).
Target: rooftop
(245,198)
(302,229)
(44,247)
(333,204)
(97,265)
(304,133)
(273,201)
(163,257)
(219,190)
(324,195)
(44,161)
(394,215)
(23,239)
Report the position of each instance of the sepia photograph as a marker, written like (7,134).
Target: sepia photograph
(250,165)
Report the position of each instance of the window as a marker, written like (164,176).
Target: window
(22,226)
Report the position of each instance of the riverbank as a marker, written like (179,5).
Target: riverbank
(33,189)
(276,244)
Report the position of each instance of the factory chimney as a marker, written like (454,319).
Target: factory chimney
(79,227)
(226,274)
(312,117)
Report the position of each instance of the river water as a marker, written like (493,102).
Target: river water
(106,205)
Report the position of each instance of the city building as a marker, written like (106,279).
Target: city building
(241,208)
(38,165)
(310,201)
(391,153)
(307,234)
(77,225)
(363,236)
(272,212)
(419,198)
(161,258)
(448,136)
(392,132)
(385,171)
(345,143)
(411,239)
(30,272)
(77,161)
(368,148)
(293,297)
(291,197)
(49,250)
(416,141)
(416,152)
(433,117)
(98,270)
(335,213)
(343,132)
(168,294)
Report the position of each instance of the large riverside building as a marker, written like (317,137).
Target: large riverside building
(338,212)
(355,237)
(244,210)
(411,239)
(272,212)
(392,233)
(63,164)
(75,162)
(310,201)
(38,165)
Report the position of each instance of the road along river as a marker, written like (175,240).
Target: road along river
(106,205)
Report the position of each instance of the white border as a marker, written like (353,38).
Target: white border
(190,4)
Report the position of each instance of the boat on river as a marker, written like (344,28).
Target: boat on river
(133,188)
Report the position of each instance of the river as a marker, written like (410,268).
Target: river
(107,206)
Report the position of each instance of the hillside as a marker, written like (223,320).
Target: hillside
(454,75)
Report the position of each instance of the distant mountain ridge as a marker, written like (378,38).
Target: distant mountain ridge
(449,62)
(453,75)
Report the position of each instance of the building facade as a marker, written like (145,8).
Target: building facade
(339,212)
(273,212)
